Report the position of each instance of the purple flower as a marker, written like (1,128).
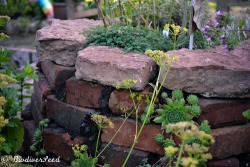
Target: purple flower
(203,29)
(220,13)
(225,46)
(216,23)
(207,27)
(223,28)
(227,50)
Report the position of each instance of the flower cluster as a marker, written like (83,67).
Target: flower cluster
(170,151)
(175,29)
(127,83)
(3,121)
(78,148)
(159,57)
(102,121)
(5,80)
(216,27)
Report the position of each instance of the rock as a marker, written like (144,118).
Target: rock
(109,66)
(211,74)
(60,40)
(230,162)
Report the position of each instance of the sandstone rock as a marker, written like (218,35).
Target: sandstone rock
(211,74)
(109,66)
(60,40)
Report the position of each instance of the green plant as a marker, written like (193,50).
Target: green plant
(38,139)
(246,114)
(136,39)
(176,111)
(205,127)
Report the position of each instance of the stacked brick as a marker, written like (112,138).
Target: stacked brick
(67,93)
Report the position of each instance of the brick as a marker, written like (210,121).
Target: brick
(66,115)
(116,155)
(41,91)
(230,162)
(36,113)
(81,93)
(58,142)
(126,135)
(220,113)
(230,141)
(56,74)
(120,99)
(29,130)
(109,66)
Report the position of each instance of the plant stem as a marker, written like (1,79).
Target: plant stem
(171,12)
(150,106)
(180,153)
(121,11)
(154,10)
(147,19)
(170,161)
(97,140)
(115,133)
(101,13)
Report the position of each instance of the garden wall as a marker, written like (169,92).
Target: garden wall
(74,82)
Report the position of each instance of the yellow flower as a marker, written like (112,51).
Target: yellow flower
(176,58)
(148,51)
(170,150)
(166,27)
(206,157)
(189,162)
(185,30)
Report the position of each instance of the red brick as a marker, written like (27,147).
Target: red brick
(116,155)
(41,91)
(36,113)
(56,74)
(230,162)
(66,115)
(126,135)
(59,143)
(221,113)
(120,99)
(29,130)
(230,141)
(81,93)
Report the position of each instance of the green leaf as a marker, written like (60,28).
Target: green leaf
(160,119)
(6,147)
(34,76)
(14,135)
(12,124)
(160,111)
(242,22)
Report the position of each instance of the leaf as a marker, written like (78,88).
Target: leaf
(34,76)
(12,124)
(6,147)
(160,119)
(160,111)
(242,22)
(14,135)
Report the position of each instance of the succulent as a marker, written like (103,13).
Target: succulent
(177,94)
(169,142)
(246,114)
(195,110)
(173,112)
(37,154)
(33,148)
(46,120)
(41,123)
(159,138)
(194,140)
(147,108)
(42,152)
(143,117)
(192,99)
(205,127)
(164,95)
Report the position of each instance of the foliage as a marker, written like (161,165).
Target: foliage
(205,127)
(177,94)
(136,39)
(38,139)
(246,114)
(192,99)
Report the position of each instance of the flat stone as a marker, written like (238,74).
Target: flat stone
(61,40)
(109,66)
(211,74)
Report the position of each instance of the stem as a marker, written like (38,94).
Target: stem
(147,19)
(97,140)
(136,111)
(139,19)
(150,106)
(154,14)
(101,13)
(168,69)
(121,11)
(180,153)
(115,133)
(171,12)
(170,161)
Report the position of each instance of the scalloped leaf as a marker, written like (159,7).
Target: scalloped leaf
(161,111)
(164,123)
(170,102)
